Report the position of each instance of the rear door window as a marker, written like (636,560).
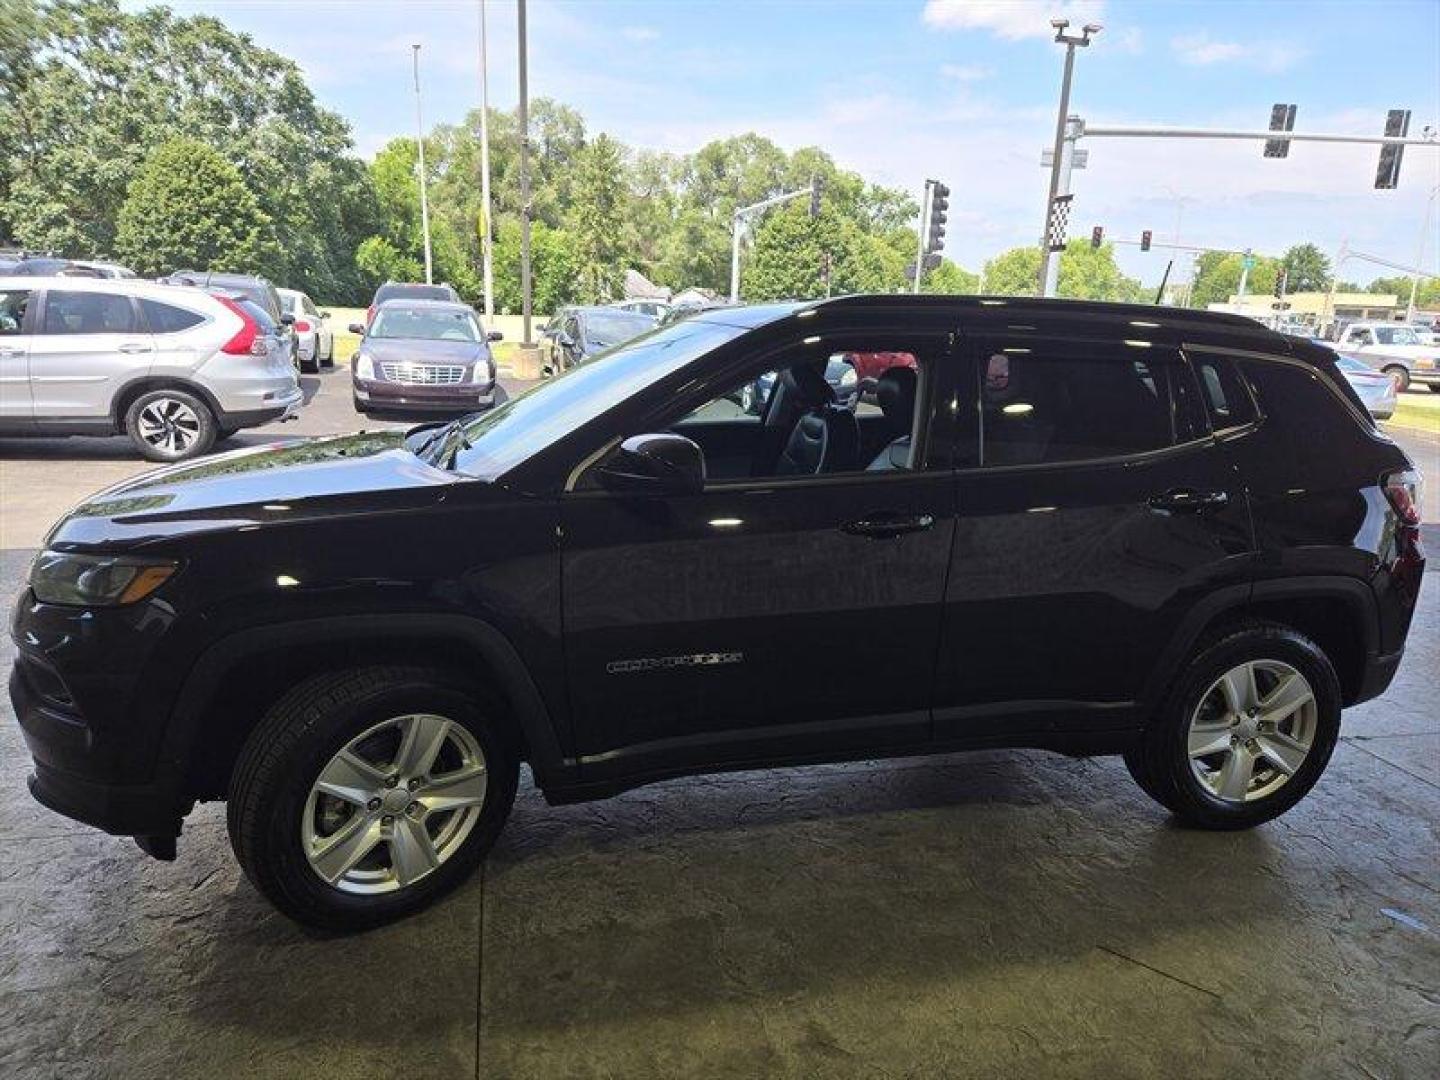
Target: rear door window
(1226,397)
(88,313)
(167,318)
(13,305)
(1049,402)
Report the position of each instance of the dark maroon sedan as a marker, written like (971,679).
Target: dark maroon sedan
(423,356)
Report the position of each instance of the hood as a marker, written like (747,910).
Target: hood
(416,350)
(285,481)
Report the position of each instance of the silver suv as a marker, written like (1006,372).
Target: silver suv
(172,367)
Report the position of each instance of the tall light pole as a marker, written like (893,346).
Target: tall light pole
(1420,255)
(487,232)
(424,185)
(1049,264)
(524,183)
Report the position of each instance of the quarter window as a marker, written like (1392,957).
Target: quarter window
(167,318)
(12,310)
(1226,398)
(1043,406)
(88,313)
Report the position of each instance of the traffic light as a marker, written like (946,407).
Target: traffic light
(1282,118)
(939,203)
(1387,174)
(814,196)
(1097,236)
(1145,240)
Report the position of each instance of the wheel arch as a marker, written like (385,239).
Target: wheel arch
(143,384)
(237,678)
(1338,613)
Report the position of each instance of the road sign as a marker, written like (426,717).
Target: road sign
(1249,261)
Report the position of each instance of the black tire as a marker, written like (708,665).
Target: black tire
(1435,387)
(311,368)
(1161,766)
(1400,375)
(362,409)
(329,359)
(192,416)
(299,735)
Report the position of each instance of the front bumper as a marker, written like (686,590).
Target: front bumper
(462,397)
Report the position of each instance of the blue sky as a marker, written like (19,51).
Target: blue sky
(963,90)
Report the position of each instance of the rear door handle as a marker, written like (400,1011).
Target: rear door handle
(1188,500)
(887,526)
(136,347)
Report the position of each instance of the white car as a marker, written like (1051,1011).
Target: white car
(312,330)
(1395,349)
(172,367)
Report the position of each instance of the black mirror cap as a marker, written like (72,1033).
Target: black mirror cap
(494,335)
(287,319)
(661,463)
(357,328)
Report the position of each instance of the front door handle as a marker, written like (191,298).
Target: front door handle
(136,347)
(1188,500)
(887,526)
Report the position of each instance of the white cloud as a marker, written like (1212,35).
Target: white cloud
(1010,19)
(1201,50)
(966,73)
(640,33)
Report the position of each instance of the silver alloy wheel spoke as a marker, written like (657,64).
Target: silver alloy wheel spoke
(1252,730)
(394,803)
(169,425)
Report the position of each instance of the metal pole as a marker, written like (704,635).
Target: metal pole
(737,224)
(1107,131)
(1420,255)
(487,239)
(424,184)
(1061,121)
(1244,274)
(1050,284)
(924,228)
(524,183)
(1327,313)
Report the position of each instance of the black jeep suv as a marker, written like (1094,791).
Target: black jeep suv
(1081,527)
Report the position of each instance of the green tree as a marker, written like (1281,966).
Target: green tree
(1086,273)
(788,259)
(1217,277)
(188,206)
(1427,294)
(948,278)
(1306,269)
(597,219)
(554,267)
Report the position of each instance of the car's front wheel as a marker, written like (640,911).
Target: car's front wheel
(170,425)
(366,794)
(1246,732)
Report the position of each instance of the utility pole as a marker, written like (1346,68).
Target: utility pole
(924,228)
(524,184)
(487,235)
(1420,255)
(1049,264)
(743,216)
(424,183)
(1247,261)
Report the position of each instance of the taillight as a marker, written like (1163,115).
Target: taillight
(1405,493)
(248,341)
(302,327)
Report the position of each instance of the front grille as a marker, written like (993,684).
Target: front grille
(424,374)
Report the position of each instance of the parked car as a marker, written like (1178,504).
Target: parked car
(1395,349)
(1069,536)
(258,289)
(424,355)
(584,331)
(173,368)
(38,266)
(684,310)
(410,290)
(1377,391)
(103,269)
(656,309)
(312,334)
(840,374)
(1426,332)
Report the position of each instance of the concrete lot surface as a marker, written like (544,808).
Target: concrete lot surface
(996,914)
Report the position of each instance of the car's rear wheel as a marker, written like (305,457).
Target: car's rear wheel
(1400,375)
(329,360)
(170,425)
(1246,732)
(1435,387)
(364,795)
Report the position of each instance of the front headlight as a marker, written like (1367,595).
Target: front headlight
(57,577)
(364,367)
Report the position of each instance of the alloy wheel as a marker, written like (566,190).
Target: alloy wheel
(394,804)
(1252,730)
(169,425)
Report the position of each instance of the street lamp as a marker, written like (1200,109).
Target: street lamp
(1050,233)
(1420,255)
(420,142)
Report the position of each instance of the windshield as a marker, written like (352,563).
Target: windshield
(510,433)
(612,327)
(413,292)
(1396,335)
(424,324)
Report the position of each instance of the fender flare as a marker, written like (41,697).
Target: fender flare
(187,718)
(1233,599)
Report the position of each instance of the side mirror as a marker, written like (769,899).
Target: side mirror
(287,319)
(494,335)
(659,464)
(564,340)
(357,328)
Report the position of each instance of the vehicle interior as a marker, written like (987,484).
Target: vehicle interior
(804,419)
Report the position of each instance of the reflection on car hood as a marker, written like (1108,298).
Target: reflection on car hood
(284,481)
(418,350)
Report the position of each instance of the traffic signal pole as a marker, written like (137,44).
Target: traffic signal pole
(742,218)
(924,228)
